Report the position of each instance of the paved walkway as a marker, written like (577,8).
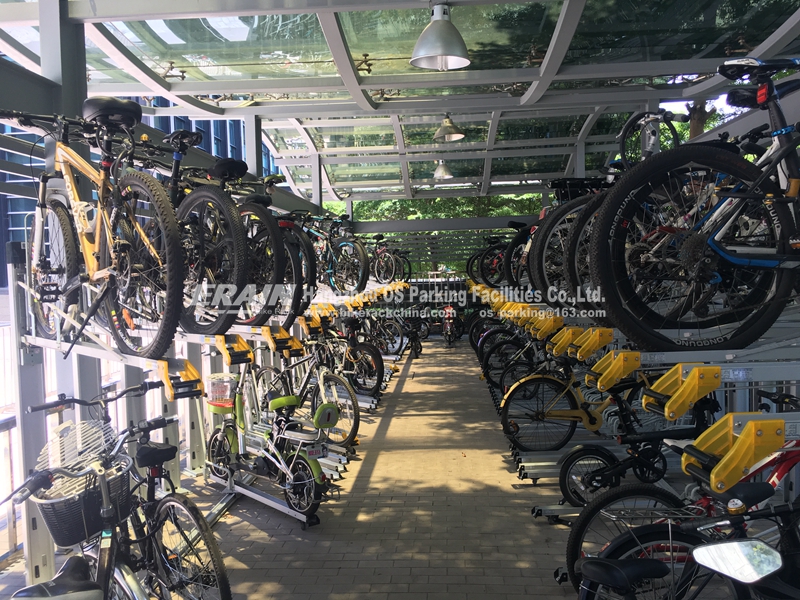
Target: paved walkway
(431,509)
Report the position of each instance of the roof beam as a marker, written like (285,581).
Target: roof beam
(401,149)
(19,14)
(19,170)
(25,57)
(332,30)
(326,180)
(568,20)
(771,46)
(9,143)
(491,136)
(98,11)
(129,62)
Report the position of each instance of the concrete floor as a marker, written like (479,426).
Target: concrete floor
(430,509)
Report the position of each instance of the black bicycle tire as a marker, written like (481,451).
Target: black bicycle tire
(509,267)
(488,374)
(636,323)
(508,401)
(487,254)
(173,262)
(571,460)
(375,354)
(72,267)
(538,259)
(316,487)
(625,132)
(308,260)
(352,432)
(275,241)
(574,550)
(361,255)
(204,532)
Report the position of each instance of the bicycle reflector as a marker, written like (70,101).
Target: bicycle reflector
(763,93)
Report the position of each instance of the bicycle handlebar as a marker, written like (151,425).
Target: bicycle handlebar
(63,400)
(714,522)
(53,119)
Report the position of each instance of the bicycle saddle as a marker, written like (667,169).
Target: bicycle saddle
(228,168)
(746,97)
(517,225)
(740,67)
(750,493)
(152,454)
(621,575)
(378,238)
(112,112)
(73,580)
(182,139)
(492,240)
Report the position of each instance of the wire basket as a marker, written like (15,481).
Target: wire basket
(221,386)
(71,507)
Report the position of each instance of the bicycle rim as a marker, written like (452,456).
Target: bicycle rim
(524,415)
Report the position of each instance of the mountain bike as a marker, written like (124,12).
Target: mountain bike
(382,263)
(81,485)
(342,262)
(124,251)
(699,245)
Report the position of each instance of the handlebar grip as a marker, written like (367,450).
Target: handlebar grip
(152,385)
(680,118)
(21,496)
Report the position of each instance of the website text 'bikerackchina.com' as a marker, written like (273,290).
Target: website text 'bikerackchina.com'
(413,301)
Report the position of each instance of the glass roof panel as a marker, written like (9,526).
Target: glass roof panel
(353,136)
(624,31)
(100,68)
(287,141)
(368,172)
(529,166)
(459,168)
(530,129)
(499,90)
(421,134)
(27,36)
(497,36)
(301,174)
(262,46)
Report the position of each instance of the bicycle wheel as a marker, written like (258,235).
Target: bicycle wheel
(595,528)
(302,493)
(188,551)
(336,389)
(147,298)
(665,283)
(407,269)
(308,264)
(472,266)
(351,266)
(576,466)
(547,256)
(216,255)
(56,263)
(577,259)
(289,304)
(479,327)
(668,544)
(123,582)
(490,265)
(491,337)
(392,334)
(513,254)
(515,371)
(385,268)
(524,413)
(267,258)
(499,356)
(366,363)
(219,453)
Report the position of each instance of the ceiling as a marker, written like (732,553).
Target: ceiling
(548,88)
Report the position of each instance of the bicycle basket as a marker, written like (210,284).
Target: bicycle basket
(71,507)
(221,386)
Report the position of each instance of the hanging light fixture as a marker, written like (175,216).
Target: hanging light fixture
(442,171)
(440,45)
(448,132)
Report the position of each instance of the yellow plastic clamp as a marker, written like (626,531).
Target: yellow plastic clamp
(685,384)
(562,340)
(758,438)
(613,368)
(234,349)
(590,342)
(187,384)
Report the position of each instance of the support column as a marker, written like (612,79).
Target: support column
(316,179)
(252,145)
(27,383)
(135,408)
(580,159)
(193,422)
(86,380)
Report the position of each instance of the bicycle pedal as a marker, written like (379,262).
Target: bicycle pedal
(48,292)
(560,575)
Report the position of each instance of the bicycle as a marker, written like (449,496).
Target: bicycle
(128,243)
(81,486)
(383,264)
(701,244)
(287,456)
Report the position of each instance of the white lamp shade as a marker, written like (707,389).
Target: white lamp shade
(448,132)
(440,46)
(442,171)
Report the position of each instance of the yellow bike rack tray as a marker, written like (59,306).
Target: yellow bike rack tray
(590,342)
(234,349)
(186,384)
(561,341)
(677,391)
(731,447)
(613,368)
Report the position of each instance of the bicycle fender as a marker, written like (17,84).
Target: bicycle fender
(316,469)
(594,448)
